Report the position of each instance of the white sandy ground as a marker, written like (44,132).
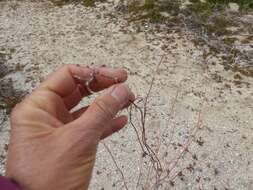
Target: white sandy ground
(45,36)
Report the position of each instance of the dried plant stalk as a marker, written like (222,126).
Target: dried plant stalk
(156,173)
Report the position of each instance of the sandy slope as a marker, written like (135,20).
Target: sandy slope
(39,37)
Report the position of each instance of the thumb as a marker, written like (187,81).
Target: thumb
(101,112)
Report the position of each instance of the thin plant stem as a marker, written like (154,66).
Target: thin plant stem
(117,166)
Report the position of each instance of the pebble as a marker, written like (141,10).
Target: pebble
(233,7)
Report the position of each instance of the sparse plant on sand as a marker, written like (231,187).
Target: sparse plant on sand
(155,169)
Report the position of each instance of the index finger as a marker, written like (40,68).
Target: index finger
(63,81)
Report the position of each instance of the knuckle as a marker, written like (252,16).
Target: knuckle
(104,109)
(17,111)
(18,106)
(67,67)
(64,67)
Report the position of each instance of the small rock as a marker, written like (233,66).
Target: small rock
(165,14)
(247,18)
(185,4)
(233,7)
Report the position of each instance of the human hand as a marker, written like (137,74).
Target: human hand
(52,148)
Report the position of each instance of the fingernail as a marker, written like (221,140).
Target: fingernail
(121,93)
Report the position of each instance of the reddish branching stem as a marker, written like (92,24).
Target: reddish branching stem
(156,173)
(142,139)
